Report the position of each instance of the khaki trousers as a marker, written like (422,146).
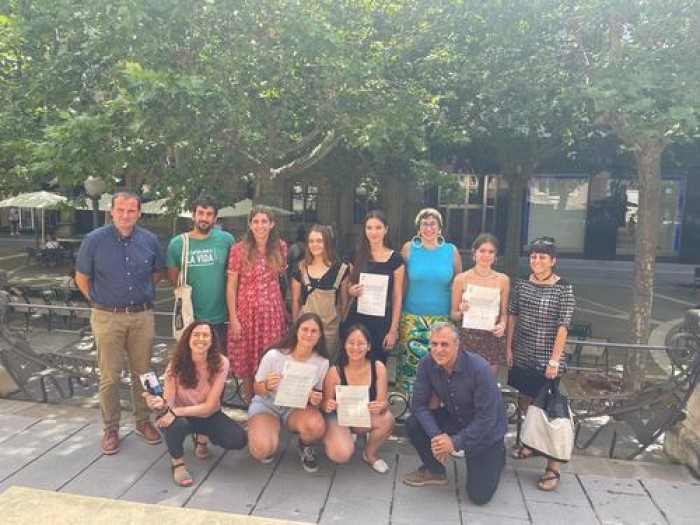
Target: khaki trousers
(119,336)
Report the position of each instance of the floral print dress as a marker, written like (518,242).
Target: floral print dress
(259,307)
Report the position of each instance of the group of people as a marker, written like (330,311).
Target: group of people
(346,318)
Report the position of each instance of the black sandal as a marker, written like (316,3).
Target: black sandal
(201,448)
(549,475)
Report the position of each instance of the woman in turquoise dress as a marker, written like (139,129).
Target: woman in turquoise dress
(431,264)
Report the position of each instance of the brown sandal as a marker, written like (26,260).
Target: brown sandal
(182,477)
(201,448)
(548,476)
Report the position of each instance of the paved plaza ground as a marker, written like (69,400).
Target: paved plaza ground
(56,448)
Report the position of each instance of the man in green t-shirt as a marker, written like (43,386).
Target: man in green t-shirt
(206,266)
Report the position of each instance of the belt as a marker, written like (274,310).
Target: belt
(133,309)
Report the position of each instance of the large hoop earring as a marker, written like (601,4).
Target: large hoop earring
(440,240)
(417,242)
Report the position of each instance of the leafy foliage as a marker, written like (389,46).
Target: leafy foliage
(193,94)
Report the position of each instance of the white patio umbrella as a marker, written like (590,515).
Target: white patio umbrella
(240,209)
(35,199)
(104,204)
(157,207)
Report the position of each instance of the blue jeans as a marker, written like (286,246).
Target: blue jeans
(483,469)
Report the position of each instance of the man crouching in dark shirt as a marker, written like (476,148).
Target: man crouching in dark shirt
(471,416)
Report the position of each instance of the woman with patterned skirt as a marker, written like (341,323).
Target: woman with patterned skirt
(482,277)
(431,264)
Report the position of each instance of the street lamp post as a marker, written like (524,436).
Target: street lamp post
(95,187)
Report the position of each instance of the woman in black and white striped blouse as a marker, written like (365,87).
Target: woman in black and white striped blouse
(539,315)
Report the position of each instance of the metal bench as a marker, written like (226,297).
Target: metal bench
(650,411)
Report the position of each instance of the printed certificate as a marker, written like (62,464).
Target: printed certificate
(373,298)
(353,406)
(484,307)
(295,385)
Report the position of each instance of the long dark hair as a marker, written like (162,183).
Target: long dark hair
(484,238)
(181,364)
(273,250)
(343,357)
(328,248)
(289,341)
(363,252)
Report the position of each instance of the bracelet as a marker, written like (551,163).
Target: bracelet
(171,411)
(553,363)
(160,413)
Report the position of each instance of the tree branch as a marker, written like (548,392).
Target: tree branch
(298,165)
(302,143)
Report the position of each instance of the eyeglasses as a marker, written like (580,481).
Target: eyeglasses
(428,224)
(359,344)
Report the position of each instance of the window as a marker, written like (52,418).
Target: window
(304,203)
(557,207)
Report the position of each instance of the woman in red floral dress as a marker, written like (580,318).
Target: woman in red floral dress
(256,309)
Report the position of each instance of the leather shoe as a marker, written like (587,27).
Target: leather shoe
(148,432)
(110,441)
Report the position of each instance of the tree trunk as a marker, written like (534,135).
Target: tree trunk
(513,244)
(393,207)
(648,160)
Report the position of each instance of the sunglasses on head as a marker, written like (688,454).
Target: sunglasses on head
(547,241)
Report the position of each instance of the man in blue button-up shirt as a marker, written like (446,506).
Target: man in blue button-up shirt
(117,268)
(471,416)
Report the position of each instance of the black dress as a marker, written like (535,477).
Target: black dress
(378,326)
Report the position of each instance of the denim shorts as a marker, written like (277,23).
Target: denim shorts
(264,405)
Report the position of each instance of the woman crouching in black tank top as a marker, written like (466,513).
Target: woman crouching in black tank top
(356,369)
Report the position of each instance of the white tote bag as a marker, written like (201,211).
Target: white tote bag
(183,312)
(548,428)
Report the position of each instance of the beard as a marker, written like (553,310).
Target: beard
(203,227)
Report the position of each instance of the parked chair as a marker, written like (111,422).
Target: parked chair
(578,331)
(39,298)
(34,256)
(51,257)
(59,298)
(593,354)
(80,306)
(19,304)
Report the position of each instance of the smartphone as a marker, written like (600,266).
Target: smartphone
(150,384)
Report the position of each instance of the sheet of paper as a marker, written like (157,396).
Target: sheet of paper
(353,409)
(484,306)
(373,298)
(296,384)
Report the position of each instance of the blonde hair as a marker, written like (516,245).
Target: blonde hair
(428,212)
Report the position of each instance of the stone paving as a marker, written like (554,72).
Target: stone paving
(56,448)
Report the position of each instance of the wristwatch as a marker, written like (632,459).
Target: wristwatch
(553,363)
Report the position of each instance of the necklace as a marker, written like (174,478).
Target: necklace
(543,279)
(487,274)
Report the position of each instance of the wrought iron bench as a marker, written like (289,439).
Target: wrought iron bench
(650,411)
